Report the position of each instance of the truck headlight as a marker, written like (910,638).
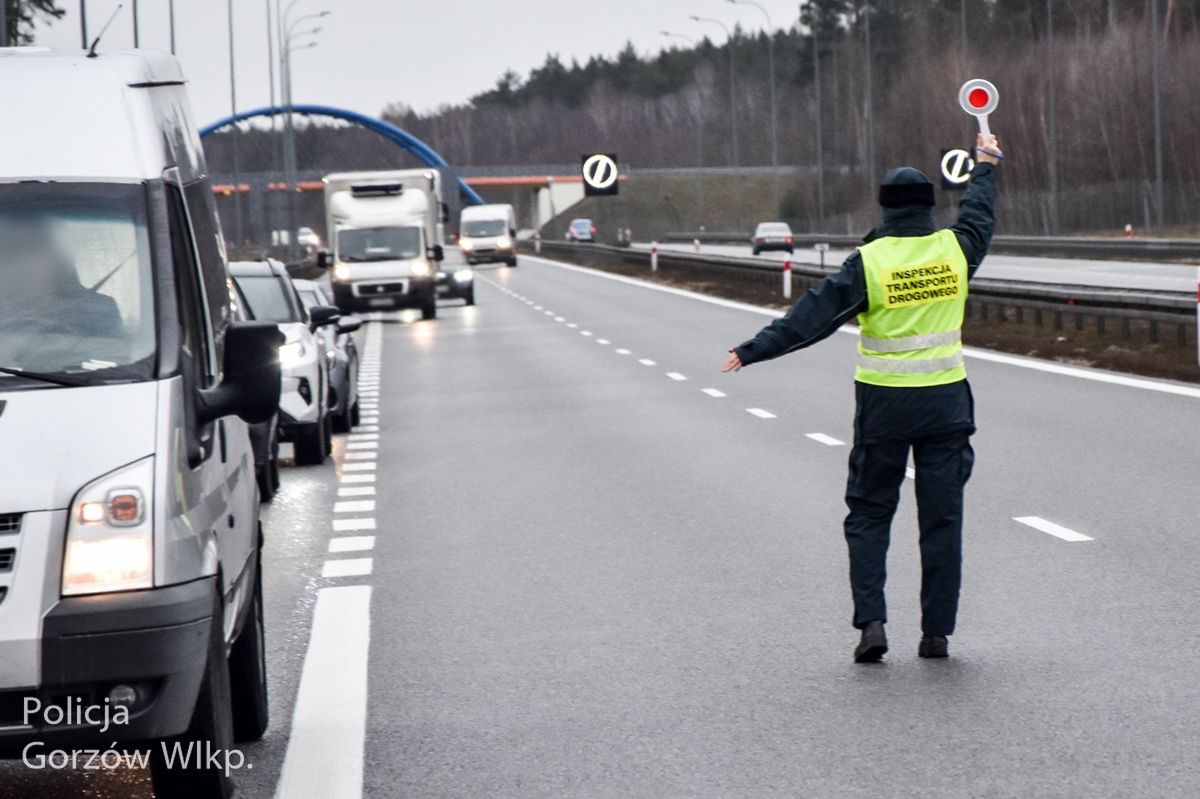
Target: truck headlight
(341,272)
(110,535)
(420,269)
(504,243)
(465,244)
(291,353)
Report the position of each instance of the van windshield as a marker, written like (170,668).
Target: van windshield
(76,282)
(484,227)
(379,244)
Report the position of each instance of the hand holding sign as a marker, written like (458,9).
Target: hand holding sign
(987,149)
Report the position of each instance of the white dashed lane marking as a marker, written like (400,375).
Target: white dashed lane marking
(760,413)
(347,525)
(647,362)
(357,491)
(352,543)
(353,567)
(828,441)
(357,478)
(355,506)
(621,352)
(359,467)
(1056,530)
(676,376)
(713,392)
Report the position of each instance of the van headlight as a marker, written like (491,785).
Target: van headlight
(420,269)
(341,272)
(465,244)
(504,243)
(110,535)
(291,353)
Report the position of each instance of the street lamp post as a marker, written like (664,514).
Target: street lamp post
(699,126)
(287,37)
(732,109)
(237,166)
(771,67)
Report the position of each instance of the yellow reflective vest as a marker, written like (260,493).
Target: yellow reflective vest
(911,332)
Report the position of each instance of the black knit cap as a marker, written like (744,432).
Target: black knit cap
(906,186)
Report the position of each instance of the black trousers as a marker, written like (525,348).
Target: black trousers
(943,465)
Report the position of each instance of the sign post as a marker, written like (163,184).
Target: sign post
(979,98)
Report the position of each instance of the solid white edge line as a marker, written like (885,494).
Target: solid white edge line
(1056,530)
(324,755)
(1079,372)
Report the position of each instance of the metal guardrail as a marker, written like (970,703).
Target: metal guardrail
(1105,249)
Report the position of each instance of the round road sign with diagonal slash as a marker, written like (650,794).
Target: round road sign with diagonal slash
(956,168)
(600,174)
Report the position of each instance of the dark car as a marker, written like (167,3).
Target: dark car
(456,281)
(342,353)
(264,436)
(773,236)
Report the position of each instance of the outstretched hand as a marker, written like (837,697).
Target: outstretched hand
(733,363)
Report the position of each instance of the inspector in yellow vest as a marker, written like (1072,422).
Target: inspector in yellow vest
(911,333)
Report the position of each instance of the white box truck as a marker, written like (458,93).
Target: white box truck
(386,235)
(488,233)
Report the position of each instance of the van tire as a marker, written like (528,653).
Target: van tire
(511,262)
(355,414)
(429,309)
(248,670)
(312,443)
(470,298)
(211,724)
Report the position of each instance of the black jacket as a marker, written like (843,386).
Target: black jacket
(887,412)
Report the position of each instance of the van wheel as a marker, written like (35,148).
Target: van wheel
(511,262)
(328,435)
(341,422)
(470,298)
(312,443)
(266,483)
(355,415)
(248,670)
(211,729)
(429,309)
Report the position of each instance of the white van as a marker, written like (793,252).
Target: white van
(130,576)
(488,233)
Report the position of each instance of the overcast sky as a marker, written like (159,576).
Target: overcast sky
(425,53)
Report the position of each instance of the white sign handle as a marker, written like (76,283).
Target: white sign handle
(984,128)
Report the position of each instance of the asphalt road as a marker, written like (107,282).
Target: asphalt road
(579,561)
(1061,271)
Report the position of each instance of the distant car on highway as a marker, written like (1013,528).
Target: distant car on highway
(304,415)
(342,354)
(581,230)
(307,238)
(773,236)
(487,233)
(456,281)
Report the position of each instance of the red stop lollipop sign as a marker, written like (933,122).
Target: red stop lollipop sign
(979,98)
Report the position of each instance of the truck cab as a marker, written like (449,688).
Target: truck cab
(385,231)
(130,569)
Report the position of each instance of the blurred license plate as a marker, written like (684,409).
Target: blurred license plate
(380,303)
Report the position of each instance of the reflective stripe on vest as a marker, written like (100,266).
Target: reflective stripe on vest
(911,332)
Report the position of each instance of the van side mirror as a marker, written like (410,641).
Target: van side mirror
(324,259)
(250,387)
(437,253)
(322,315)
(348,324)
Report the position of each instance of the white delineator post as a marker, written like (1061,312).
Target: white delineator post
(537,242)
(787,279)
(696,244)
(654,256)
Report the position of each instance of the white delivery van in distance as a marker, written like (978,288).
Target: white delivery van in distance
(488,233)
(386,234)
(130,573)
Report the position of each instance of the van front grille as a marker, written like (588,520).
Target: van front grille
(10,522)
(7,556)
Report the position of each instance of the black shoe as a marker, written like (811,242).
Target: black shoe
(873,644)
(934,646)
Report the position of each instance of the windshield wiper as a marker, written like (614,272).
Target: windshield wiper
(54,380)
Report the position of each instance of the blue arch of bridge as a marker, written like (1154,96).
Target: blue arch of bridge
(420,149)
